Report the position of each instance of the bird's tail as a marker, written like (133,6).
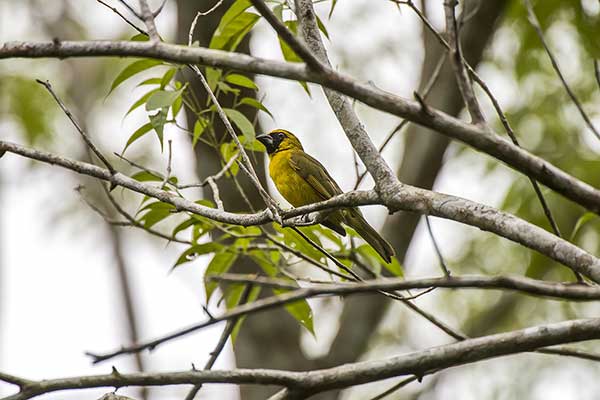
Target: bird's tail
(356,221)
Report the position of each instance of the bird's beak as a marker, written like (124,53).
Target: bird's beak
(267,141)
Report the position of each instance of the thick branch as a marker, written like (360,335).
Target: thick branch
(516,283)
(408,199)
(475,136)
(415,363)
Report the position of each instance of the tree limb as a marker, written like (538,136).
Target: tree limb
(477,137)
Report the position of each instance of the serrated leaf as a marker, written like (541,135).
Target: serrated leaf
(196,251)
(220,264)
(256,104)
(132,69)
(584,219)
(241,80)
(141,131)
(162,98)
(243,123)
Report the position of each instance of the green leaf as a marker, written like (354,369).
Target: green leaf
(140,101)
(300,310)
(199,128)
(196,251)
(228,150)
(162,98)
(584,219)
(183,226)
(141,131)
(220,264)
(256,104)
(240,120)
(321,26)
(146,176)
(241,80)
(394,267)
(158,122)
(333,3)
(140,37)
(132,69)
(289,54)
(264,262)
(292,239)
(252,296)
(212,77)
(234,26)
(149,81)
(167,77)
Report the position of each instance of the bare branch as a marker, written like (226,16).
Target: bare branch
(148,17)
(480,139)
(408,199)
(416,363)
(222,341)
(462,78)
(313,61)
(443,265)
(85,137)
(385,180)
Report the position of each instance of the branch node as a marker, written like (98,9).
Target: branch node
(424,107)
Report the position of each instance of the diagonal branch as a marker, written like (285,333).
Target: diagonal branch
(477,137)
(410,198)
(416,363)
(462,77)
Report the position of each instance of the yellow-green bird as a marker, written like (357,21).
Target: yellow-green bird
(303,180)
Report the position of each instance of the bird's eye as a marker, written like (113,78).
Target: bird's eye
(280,135)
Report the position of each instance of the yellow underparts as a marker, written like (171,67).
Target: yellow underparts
(291,185)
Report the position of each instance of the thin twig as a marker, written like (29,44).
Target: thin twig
(222,341)
(85,137)
(396,387)
(168,174)
(123,17)
(462,78)
(198,15)
(536,25)
(443,265)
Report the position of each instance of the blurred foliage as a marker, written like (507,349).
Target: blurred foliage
(547,124)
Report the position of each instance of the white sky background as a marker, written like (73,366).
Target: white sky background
(58,296)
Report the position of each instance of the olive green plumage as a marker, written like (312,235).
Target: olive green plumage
(303,180)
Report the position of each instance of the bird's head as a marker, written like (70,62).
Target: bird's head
(279,140)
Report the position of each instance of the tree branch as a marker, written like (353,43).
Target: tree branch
(477,137)
(308,383)
(408,199)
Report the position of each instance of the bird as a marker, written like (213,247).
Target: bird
(303,180)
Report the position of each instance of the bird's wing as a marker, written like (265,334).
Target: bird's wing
(315,174)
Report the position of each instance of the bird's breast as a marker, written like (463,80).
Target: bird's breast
(289,183)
